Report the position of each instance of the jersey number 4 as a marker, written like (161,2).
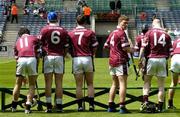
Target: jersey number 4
(112,40)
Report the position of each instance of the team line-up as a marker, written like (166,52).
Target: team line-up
(54,42)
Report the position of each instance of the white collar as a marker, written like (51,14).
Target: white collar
(79,27)
(53,24)
(118,27)
(24,35)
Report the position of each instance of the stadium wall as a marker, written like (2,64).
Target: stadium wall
(6,50)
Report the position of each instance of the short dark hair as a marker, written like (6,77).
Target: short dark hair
(145,28)
(80,19)
(22,31)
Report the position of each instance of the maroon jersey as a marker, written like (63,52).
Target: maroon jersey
(54,40)
(83,41)
(176,46)
(26,46)
(116,41)
(158,43)
(138,41)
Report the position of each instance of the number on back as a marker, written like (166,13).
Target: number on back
(55,37)
(178,45)
(112,40)
(161,40)
(80,34)
(24,42)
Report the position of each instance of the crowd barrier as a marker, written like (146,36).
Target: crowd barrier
(131,98)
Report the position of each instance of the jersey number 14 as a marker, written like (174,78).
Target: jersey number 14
(161,40)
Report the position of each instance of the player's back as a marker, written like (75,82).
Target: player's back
(54,39)
(26,46)
(138,41)
(82,41)
(176,46)
(159,42)
(117,40)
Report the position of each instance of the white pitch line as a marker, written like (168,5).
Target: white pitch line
(7,61)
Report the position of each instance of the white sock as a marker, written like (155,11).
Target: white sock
(58,101)
(28,103)
(48,99)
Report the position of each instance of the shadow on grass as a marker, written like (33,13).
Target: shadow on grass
(166,111)
(66,111)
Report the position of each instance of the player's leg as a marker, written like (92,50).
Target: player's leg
(20,73)
(122,74)
(79,76)
(112,94)
(161,93)
(122,93)
(59,71)
(89,80)
(161,75)
(175,67)
(58,91)
(16,92)
(149,71)
(48,75)
(174,81)
(88,68)
(31,92)
(31,70)
(122,88)
(146,88)
(79,95)
(48,85)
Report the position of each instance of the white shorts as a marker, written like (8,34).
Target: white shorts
(120,70)
(157,67)
(175,63)
(82,64)
(54,64)
(26,66)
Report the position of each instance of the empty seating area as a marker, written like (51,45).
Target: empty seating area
(54,5)
(99,6)
(175,4)
(2,19)
(34,24)
(170,19)
(49,5)
(68,20)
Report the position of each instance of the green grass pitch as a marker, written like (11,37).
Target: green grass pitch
(101,79)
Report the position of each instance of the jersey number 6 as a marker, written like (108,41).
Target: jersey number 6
(55,37)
